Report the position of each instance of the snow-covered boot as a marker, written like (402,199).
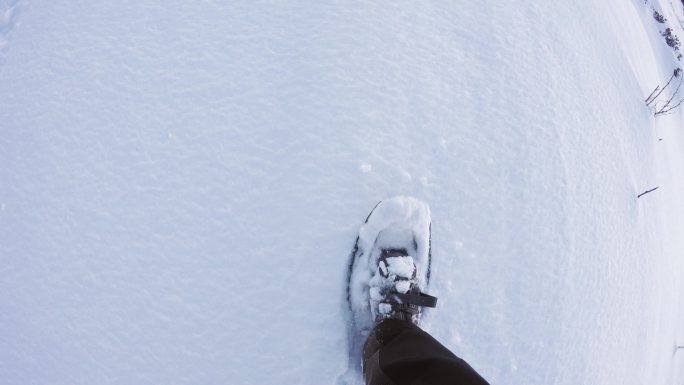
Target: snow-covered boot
(394,290)
(388,273)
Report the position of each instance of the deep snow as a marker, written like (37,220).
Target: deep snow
(180,185)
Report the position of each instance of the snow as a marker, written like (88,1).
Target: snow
(402,286)
(181,185)
(385,308)
(401,266)
(391,219)
(382,268)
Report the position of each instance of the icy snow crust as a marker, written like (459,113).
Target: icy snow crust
(181,185)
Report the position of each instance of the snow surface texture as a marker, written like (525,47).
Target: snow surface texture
(180,186)
(9,14)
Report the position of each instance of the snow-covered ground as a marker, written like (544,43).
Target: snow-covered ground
(181,185)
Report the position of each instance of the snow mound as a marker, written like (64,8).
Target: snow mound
(401,266)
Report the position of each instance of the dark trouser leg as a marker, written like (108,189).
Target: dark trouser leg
(400,353)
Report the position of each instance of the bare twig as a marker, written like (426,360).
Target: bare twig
(673,95)
(649,96)
(646,192)
(675,74)
(665,111)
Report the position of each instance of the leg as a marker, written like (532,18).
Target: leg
(400,353)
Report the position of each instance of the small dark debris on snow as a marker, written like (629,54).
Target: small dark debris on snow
(659,18)
(646,192)
(671,39)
